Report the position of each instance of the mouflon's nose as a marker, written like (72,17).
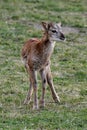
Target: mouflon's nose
(62,37)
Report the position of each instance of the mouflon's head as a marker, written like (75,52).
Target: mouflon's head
(54,31)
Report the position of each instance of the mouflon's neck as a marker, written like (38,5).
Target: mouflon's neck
(48,45)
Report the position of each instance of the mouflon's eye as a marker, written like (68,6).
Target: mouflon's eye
(54,31)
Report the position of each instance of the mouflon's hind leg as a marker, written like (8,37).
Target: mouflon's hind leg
(33,76)
(29,94)
(30,91)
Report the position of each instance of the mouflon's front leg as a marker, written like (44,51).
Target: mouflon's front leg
(43,77)
(50,83)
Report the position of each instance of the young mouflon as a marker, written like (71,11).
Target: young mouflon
(36,54)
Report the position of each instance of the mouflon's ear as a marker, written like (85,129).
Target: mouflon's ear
(50,25)
(45,25)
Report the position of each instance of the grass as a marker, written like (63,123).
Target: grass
(19,20)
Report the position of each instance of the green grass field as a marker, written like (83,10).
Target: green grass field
(19,21)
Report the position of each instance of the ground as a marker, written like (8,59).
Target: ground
(19,21)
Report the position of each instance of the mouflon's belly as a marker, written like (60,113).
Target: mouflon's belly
(40,63)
